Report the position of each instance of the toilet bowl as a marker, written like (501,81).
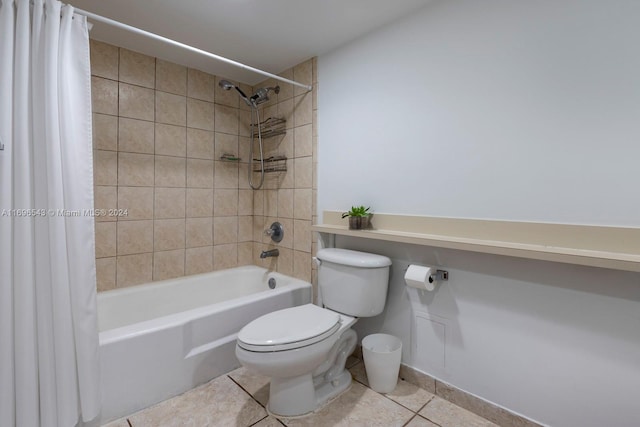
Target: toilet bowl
(304,349)
(289,346)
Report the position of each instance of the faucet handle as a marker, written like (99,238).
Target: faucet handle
(276,231)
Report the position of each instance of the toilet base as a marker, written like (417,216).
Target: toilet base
(329,391)
(296,397)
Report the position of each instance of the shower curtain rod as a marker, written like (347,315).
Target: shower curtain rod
(186,47)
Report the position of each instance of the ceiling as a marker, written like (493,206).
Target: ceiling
(272,35)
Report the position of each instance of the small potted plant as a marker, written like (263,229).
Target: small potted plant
(358,217)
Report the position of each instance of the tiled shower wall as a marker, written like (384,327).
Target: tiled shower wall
(289,198)
(159,132)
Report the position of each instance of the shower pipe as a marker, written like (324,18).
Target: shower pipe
(186,47)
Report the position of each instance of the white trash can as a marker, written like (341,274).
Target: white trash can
(382,354)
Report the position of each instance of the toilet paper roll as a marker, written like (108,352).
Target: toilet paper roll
(417,276)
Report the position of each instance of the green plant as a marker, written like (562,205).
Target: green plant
(357,211)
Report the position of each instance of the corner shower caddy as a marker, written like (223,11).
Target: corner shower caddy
(273,126)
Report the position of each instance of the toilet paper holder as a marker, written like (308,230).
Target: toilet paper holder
(439,275)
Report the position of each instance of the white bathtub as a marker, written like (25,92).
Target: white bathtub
(163,338)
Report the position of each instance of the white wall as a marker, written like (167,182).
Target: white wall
(505,110)
(526,110)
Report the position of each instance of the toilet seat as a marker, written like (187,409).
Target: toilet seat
(289,329)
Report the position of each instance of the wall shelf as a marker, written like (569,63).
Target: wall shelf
(597,246)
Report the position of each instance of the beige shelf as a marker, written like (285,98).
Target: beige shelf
(605,247)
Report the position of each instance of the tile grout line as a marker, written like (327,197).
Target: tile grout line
(255,400)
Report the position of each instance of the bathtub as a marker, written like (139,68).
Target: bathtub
(163,338)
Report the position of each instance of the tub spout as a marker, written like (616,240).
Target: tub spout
(272,252)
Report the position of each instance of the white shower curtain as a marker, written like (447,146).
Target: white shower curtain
(48,325)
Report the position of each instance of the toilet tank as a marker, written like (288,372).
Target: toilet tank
(353,283)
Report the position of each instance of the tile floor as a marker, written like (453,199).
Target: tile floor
(239,399)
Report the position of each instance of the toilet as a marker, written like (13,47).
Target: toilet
(304,349)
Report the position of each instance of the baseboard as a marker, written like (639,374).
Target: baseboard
(463,399)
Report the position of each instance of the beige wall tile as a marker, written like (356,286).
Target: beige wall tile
(245,202)
(259,226)
(244,123)
(302,203)
(171,77)
(225,230)
(314,62)
(303,141)
(286,111)
(271,203)
(135,102)
(168,234)
(258,202)
(287,225)
(225,175)
(245,253)
(226,144)
(302,265)
(134,269)
(105,239)
(199,232)
(303,172)
(302,235)
(287,179)
(285,145)
(245,228)
(105,167)
(303,109)
(170,171)
(225,202)
(199,144)
(227,97)
(104,60)
(200,114)
(170,140)
(269,110)
(169,203)
(226,119)
(285,261)
(225,256)
(135,237)
(286,89)
(171,109)
(106,274)
(138,202)
(314,99)
(285,203)
(137,69)
(168,264)
(104,96)
(105,132)
(303,73)
(199,202)
(105,197)
(243,153)
(135,169)
(199,173)
(199,260)
(200,85)
(135,136)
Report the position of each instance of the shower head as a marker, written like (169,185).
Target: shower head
(262,94)
(227,85)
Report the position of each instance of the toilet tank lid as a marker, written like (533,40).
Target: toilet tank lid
(353,258)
